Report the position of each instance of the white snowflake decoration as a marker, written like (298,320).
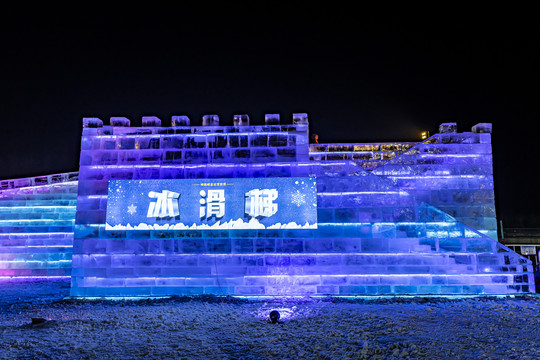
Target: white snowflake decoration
(132,209)
(298,198)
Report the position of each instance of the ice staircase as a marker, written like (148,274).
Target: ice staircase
(36,226)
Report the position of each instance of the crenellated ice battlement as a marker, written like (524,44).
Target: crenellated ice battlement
(120,144)
(38,180)
(184,121)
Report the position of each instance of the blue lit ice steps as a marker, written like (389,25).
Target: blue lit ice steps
(36,226)
(374,236)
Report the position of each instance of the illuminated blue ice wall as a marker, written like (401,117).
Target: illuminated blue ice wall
(376,233)
(451,171)
(36,226)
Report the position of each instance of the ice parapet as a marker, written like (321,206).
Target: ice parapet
(210,120)
(151,121)
(482,128)
(180,120)
(448,128)
(241,120)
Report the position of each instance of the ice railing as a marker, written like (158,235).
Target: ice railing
(368,155)
(38,180)
(373,155)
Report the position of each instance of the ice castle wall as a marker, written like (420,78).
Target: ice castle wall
(36,226)
(451,171)
(373,237)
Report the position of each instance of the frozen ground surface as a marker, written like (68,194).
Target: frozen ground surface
(213,328)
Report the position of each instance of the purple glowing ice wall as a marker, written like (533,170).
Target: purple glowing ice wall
(36,226)
(450,171)
(373,237)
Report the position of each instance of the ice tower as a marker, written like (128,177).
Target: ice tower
(391,218)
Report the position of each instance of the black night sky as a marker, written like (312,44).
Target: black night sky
(361,75)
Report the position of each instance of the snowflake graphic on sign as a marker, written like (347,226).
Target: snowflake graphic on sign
(298,198)
(132,209)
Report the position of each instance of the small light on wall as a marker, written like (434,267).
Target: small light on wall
(38,321)
(274,317)
(425,135)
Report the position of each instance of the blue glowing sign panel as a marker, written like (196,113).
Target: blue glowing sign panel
(174,204)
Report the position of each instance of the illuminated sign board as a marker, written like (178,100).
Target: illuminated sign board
(208,204)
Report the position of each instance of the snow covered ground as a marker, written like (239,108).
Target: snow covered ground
(212,328)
